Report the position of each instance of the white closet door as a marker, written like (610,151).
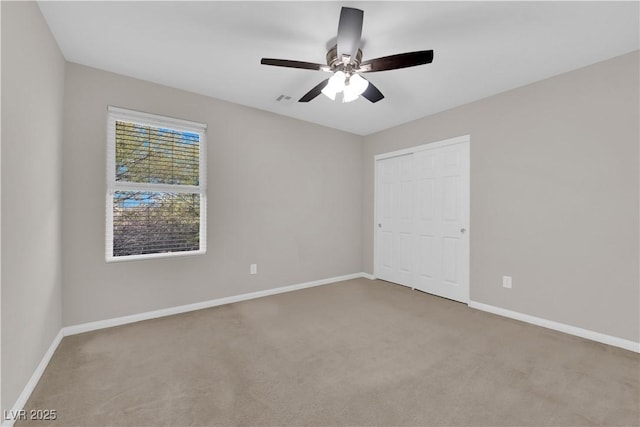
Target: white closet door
(422,212)
(395,215)
(442,217)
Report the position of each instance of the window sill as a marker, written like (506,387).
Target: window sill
(112,259)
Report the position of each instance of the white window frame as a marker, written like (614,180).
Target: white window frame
(145,119)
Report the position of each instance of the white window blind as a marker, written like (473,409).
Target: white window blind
(156,186)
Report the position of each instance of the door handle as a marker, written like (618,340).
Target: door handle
(463,230)
(379,225)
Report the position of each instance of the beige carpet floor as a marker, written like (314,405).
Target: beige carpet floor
(355,353)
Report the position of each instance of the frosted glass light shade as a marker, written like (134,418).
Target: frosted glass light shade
(349,94)
(336,82)
(329,92)
(358,83)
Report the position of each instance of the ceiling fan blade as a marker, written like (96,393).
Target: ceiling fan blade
(294,64)
(372,93)
(349,31)
(393,62)
(317,90)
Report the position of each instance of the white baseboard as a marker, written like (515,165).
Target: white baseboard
(368,276)
(33,381)
(561,327)
(108,323)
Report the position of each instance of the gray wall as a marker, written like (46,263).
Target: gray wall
(554,195)
(282,193)
(32,99)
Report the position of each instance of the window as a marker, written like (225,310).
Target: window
(156,192)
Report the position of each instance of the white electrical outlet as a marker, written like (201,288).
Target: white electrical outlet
(253,269)
(506,282)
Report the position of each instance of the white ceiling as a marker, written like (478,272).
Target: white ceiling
(214,48)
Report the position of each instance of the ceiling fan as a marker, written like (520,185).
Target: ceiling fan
(344,60)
